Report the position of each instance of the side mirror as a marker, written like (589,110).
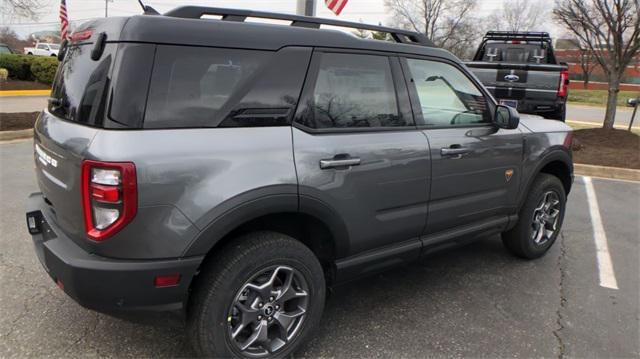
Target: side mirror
(507,117)
(633,102)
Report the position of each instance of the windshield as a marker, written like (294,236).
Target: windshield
(4,50)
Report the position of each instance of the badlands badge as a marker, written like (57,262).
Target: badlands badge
(508,174)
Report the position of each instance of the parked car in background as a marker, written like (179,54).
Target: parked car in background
(521,71)
(5,49)
(235,169)
(43,49)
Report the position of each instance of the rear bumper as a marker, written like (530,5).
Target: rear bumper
(106,284)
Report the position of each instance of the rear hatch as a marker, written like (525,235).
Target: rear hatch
(64,131)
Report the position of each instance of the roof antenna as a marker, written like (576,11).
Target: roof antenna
(148,10)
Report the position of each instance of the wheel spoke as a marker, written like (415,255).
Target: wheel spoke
(539,233)
(259,336)
(284,319)
(289,291)
(263,290)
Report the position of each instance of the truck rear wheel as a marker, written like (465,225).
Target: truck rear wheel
(540,219)
(560,114)
(260,297)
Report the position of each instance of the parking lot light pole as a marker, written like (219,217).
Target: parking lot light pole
(106,7)
(306,7)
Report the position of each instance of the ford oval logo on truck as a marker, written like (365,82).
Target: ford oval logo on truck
(512,78)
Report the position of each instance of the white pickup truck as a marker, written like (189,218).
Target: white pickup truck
(43,49)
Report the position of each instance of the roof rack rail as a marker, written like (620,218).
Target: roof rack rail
(517,35)
(196,12)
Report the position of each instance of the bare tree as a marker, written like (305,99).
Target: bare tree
(610,30)
(11,39)
(585,58)
(443,21)
(30,9)
(518,15)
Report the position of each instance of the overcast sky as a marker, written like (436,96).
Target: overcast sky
(368,11)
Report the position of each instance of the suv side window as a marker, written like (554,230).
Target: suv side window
(352,91)
(447,97)
(190,85)
(43,47)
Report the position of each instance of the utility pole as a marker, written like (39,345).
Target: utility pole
(306,7)
(106,7)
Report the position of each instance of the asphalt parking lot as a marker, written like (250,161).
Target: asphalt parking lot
(476,301)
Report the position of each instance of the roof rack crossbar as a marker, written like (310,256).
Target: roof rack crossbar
(196,12)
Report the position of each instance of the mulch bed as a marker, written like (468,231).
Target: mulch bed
(614,148)
(22,85)
(17,120)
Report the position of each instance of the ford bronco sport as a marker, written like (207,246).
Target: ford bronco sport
(235,169)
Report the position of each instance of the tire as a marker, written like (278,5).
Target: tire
(559,114)
(228,283)
(525,240)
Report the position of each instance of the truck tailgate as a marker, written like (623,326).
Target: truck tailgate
(519,81)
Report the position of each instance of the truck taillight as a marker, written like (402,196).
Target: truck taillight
(109,197)
(564,83)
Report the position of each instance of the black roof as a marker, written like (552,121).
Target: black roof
(184,26)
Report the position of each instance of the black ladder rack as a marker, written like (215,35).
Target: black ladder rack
(196,12)
(517,35)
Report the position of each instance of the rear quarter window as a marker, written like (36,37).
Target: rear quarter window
(190,86)
(80,87)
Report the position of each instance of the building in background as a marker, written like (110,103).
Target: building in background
(583,67)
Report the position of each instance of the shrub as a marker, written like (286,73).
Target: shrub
(19,66)
(4,74)
(44,69)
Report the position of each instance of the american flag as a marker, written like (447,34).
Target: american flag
(336,5)
(64,21)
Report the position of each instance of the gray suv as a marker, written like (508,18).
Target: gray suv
(234,169)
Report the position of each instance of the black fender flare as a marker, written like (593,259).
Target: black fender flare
(247,207)
(553,155)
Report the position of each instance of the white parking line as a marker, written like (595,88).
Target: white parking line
(605,268)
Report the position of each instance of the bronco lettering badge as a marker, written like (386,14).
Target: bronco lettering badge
(508,174)
(45,158)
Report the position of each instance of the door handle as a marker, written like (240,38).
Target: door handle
(454,151)
(339,161)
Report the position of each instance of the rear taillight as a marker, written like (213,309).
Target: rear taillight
(109,197)
(564,83)
(568,140)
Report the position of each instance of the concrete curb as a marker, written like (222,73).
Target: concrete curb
(607,172)
(14,93)
(16,135)
(599,125)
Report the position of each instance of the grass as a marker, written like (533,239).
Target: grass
(599,97)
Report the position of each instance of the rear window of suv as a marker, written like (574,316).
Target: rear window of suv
(191,85)
(78,93)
